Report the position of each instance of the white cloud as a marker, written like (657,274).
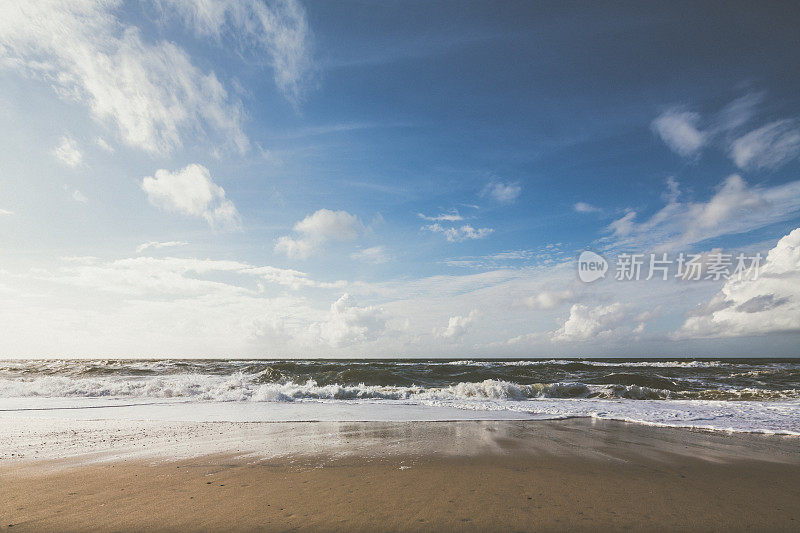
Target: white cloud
(457,326)
(278,28)
(767,147)
(645,317)
(158,245)
(512,255)
(78,196)
(583,207)
(548,299)
(318,228)
(68,153)
(375,254)
(192,307)
(734,208)
(348,324)
(195,307)
(103,144)
(6,212)
(151,93)
(143,276)
(294,248)
(291,278)
(504,193)
(191,191)
(738,113)
(175,306)
(452,216)
(547,255)
(768,304)
(325,224)
(678,129)
(770,146)
(588,323)
(463,233)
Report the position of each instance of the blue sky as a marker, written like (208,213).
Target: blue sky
(248,178)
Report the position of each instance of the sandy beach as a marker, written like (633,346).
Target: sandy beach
(412,476)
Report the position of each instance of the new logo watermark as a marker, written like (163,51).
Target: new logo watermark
(712,266)
(591,266)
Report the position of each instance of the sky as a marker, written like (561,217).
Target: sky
(249,178)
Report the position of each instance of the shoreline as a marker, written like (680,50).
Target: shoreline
(744,416)
(414,476)
(26,442)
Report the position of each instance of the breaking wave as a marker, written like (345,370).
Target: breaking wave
(244,387)
(738,395)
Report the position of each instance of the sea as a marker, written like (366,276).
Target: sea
(740,395)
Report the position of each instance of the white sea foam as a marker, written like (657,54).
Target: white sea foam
(587,362)
(555,400)
(760,417)
(746,416)
(247,387)
(759,396)
(632,364)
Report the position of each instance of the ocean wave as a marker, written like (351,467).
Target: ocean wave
(781,418)
(243,387)
(631,364)
(651,381)
(249,387)
(578,363)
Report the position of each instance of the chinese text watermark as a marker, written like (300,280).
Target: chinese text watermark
(714,266)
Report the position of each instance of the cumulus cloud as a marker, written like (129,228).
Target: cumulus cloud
(548,299)
(505,193)
(459,234)
(197,307)
(770,303)
(735,208)
(68,153)
(770,146)
(191,191)
(348,324)
(587,323)
(317,229)
(457,326)
(376,255)
(149,92)
(583,207)
(325,224)
(158,245)
(294,248)
(678,129)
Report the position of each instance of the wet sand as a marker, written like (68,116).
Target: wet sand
(429,476)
